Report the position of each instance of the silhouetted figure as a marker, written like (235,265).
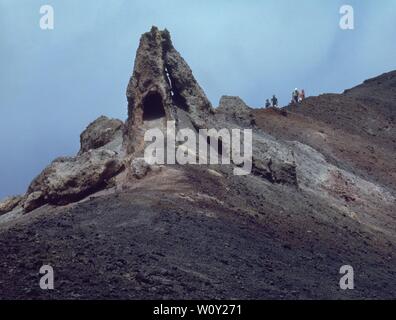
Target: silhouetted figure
(267,103)
(274,101)
(295,95)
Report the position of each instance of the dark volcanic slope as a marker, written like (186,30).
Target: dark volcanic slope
(368,110)
(355,130)
(173,237)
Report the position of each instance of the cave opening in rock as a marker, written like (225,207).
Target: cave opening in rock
(153,107)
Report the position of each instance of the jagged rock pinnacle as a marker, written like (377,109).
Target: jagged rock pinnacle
(162,87)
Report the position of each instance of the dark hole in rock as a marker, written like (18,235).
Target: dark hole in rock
(153,108)
(219,148)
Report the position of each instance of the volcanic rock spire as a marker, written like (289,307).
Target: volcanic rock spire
(161,88)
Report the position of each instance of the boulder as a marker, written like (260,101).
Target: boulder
(139,168)
(234,109)
(274,160)
(9,204)
(33,201)
(103,132)
(70,179)
(276,171)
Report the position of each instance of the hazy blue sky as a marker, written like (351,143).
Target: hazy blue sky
(54,83)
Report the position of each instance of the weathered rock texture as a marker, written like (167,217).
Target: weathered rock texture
(235,110)
(103,132)
(9,204)
(71,179)
(139,168)
(162,86)
(343,147)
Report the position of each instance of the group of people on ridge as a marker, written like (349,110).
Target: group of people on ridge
(297,97)
(273,103)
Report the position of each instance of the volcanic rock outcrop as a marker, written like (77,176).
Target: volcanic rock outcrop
(102,133)
(9,204)
(71,179)
(234,109)
(162,88)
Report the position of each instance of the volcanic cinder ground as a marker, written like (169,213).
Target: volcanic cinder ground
(321,195)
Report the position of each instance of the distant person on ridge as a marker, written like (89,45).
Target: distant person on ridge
(267,103)
(301,96)
(274,101)
(295,95)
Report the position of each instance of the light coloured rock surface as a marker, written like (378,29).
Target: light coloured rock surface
(103,132)
(369,203)
(140,168)
(12,215)
(273,160)
(235,109)
(9,204)
(68,180)
(33,201)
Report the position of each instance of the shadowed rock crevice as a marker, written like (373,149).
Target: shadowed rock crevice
(153,108)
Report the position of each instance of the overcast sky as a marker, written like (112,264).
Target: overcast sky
(54,83)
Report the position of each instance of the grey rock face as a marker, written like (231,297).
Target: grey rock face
(234,109)
(102,132)
(33,201)
(68,180)
(187,93)
(276,171)
(273,160)
(9,204)
(140,168)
